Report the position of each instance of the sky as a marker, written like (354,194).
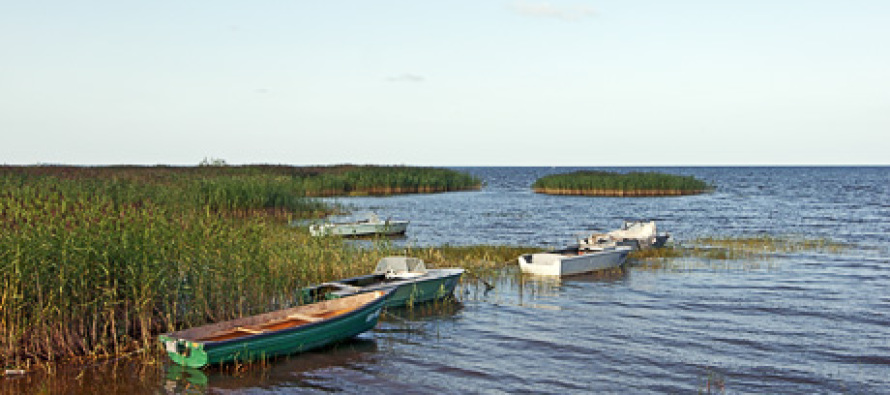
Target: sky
(446,83)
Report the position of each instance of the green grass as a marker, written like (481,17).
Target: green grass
(386,180)
(246,187)
(601,183)
(97,261)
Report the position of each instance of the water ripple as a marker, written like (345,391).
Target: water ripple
(806,322)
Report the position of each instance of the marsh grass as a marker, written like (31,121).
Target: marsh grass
(721,252)
(387,180)
(602,183)
(95,262)
(767,245)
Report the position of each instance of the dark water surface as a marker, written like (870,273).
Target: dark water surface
(802,322)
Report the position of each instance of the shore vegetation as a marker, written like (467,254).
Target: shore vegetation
(96,261)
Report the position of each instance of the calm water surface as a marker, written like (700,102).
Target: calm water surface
(807,322)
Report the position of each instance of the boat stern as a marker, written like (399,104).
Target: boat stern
(545,264)
(184,352)
(623,252)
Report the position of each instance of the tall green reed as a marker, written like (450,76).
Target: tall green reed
(98,261)
(585,180)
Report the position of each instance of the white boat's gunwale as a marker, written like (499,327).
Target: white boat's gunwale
(429,276)
(568,261)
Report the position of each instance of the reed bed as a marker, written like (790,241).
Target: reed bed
(95,262)
(387,180)
(634,184)
(253,186)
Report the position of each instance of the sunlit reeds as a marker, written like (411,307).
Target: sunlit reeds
(602,183)
(387,180)
(98,261)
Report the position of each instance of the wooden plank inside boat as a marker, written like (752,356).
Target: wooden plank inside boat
(275,321)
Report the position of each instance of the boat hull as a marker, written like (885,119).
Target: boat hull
(361,229)
(184,350)
(565,263)
(434,285)
(427,290)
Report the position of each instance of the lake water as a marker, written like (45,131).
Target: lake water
(801,322)
(807,322)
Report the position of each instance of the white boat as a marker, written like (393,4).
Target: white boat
(573,260)
(372,225)
(414,283)
(639,235)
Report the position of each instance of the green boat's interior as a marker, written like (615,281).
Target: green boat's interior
(278,320)
(364,281)
(290,321)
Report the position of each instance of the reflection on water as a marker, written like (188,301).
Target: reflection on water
(511,287)
(121,376)
(293,371)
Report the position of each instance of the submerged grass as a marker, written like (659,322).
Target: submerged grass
(765,244)
(726,252)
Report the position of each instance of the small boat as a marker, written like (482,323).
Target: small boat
(573,260)
(639,235)
(372,225)
(276,333)
(412,281)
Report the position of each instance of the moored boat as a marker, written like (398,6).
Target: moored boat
(276,333)
(639,235)
(411,281)
(370,226)
(573,260)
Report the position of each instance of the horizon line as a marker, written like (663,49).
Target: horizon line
(48,164)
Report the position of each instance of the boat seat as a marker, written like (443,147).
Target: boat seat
(304,317)
(249,330)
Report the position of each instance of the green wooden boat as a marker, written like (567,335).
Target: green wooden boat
(412,281)
(281,332)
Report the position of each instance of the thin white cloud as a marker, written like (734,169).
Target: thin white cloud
(406,77)
(547,10)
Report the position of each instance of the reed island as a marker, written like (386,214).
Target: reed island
(634,184)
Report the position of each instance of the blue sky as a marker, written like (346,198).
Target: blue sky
(521,83)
